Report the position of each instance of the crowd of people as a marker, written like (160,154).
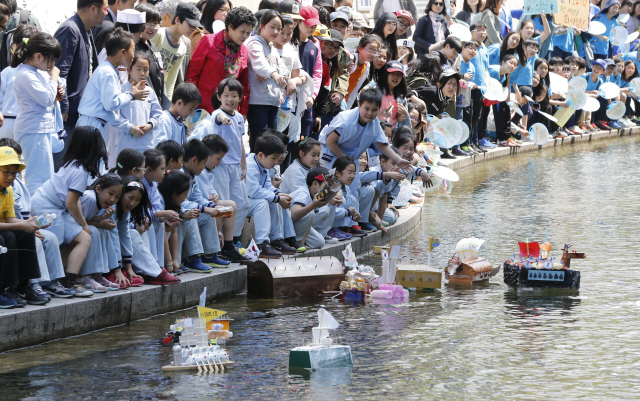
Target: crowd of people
(122,159)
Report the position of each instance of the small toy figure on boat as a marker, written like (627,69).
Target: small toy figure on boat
(321,353)
(534,268)
(466,267)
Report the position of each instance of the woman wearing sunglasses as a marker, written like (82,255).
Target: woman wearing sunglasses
(431,28)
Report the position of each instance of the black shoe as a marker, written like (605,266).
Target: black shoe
(232,255)
(32,297)
(282,247)
(446,154)
(602,127)
(267,251)
(15,297)
(478,149)
(353,231)
(293,243)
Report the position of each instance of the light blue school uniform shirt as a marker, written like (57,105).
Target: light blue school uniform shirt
(564,42)
(351,142)
(592,86)
(232,134)
(8,104)
(103,97)
(35,96)
(157,203)
(524,75)
(205,183)
(169,128)
(633,56)
(69,178)
(600,46)
(195,198)
(467,67)
(89,204)
(258,182)
(481,65)
(22,199)
(137,113)
(294,177)
(301,196)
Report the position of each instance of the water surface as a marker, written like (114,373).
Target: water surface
(457,343)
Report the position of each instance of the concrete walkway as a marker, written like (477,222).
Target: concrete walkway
(60,318)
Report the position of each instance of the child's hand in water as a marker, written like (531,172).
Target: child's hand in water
(223,119)
(139,92)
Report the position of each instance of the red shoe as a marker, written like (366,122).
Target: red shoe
(163,279)
(112,277)
(135,282)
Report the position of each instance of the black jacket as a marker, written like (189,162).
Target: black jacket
(424,35)
(100,32)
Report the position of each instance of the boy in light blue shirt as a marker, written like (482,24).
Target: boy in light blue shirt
(103,97)
(184,102)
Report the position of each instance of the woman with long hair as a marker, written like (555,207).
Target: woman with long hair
(386,29)
(432,28)
(470,8)
(214,10)
(490,17)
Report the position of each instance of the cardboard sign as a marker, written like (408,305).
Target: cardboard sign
(535,7)
(209,314)
(573,13)
(411,276)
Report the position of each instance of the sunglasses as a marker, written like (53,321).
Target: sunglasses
(438,4)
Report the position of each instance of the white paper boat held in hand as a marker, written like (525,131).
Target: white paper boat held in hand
(445,173)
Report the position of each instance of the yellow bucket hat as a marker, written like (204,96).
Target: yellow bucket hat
(9,157)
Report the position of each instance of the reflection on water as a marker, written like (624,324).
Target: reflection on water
(458,343)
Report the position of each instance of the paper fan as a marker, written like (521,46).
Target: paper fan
(549,116)
(609,90)
(447,132)
(635,85)
(559,83)
(633,37)
(576,98)
(578,83)
(597,28)
(493,90)
(539,134)
(616,110)
(623,18)
(465,131)
(591,105)
(619,35)
(405,194)
(445,173)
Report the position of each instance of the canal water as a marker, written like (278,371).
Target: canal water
(457,343)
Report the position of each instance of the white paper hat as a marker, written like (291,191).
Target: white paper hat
(405,43)
(131,17)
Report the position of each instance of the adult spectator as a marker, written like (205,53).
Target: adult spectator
(168,11)
(396,6)
(16,17)
(432,27)
(223,55)
(470,8)
(214,10)
(144,45)
(100,32)
(490,18)
(78,59)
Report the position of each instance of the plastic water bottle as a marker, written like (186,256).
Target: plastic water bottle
(45,219)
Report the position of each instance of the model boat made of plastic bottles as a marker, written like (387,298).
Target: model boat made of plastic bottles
(535,268)
(466,266)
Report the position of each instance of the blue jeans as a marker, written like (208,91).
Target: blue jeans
(261,117)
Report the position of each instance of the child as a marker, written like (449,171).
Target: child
(47,246)
(264,199)
(36,96)
(347,213)
(141,114)
(556,63)
(468,71)
(173,153)
(594,80)
(606,16)
(405,52)
(103,97)
(8,106)
(339,22)
(97,202)
(387,190)
(312,216)
(174,189)
(186,98)
(229,176)
(206,241)
(129,162)
(451,48)
(265,80)
(133,209)
(306,157)
(218,148)
(155,162)
(386,29)
(368,49)
(170,44)
(61,195)
(394,94)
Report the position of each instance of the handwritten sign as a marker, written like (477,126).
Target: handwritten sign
(535,7)
(573,13)
(209,314)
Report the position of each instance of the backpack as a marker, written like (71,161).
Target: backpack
(7,39)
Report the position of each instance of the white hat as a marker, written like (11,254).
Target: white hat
(405,43)
(131,17)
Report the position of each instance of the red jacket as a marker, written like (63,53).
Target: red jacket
(206,70)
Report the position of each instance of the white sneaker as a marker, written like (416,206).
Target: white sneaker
(577,129)
(81,291)
(91,284)
(329,240)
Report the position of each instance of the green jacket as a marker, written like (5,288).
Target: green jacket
(340,83)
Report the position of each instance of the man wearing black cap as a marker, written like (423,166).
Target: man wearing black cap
(339,85)
(327,4)
(171,47)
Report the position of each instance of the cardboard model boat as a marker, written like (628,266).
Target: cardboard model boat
(532,270)
(466,267)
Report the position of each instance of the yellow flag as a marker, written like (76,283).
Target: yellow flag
(209,314)
(433,242)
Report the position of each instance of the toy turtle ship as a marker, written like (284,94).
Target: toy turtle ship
(321,353)
(535,269)
(466,267)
